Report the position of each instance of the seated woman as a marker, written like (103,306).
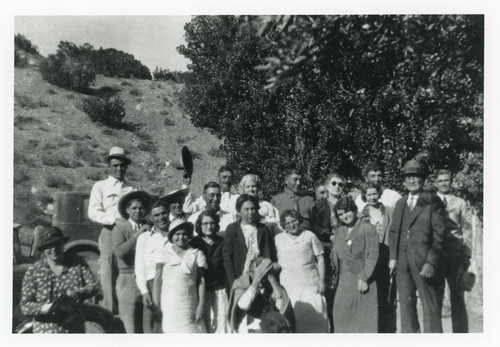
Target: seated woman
(256,293)
(355,253)
(216,302)
(179,285)
(133,207)
(56,277)
(250,184)
(380,217)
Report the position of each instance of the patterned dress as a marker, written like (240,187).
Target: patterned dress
(179,290)
(41,285)
(300,277)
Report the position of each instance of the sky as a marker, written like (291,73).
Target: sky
(151,39)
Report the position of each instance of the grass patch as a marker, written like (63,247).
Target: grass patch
(62,143)
(108,131)
(87,154)
(32,144)
(44,128)
(216,152)
(176,164)
(94,174)
(182,139)
(147,146)
(28,103)
(70,96)
(135,92)
(164,113)
(133,174)
(21,175)
(58,182)
(21,121)
(166,101)
(138,100)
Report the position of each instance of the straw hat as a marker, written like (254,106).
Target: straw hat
(117,153)
(178,224)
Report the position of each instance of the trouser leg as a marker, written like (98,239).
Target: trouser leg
(107,271)
(453,267)
(129,303)
(386,311)
(407,297)
(428,291)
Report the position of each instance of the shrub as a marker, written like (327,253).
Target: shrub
(85,153)
(20,121)
(28,103)
(21,175)
(51,92)
(19,59)
(168,122)
(176,164)
(21,42)
(94,174)
(108,111)
(73,137)
(70,96)
(148,146)
(135,92)
(133,174)
(216,152)
(166,101)
(50,145)
(107,131)
(196,155)
(57,182)
(181,139)
(125,83)
(70,163)
(52,159)
(164,112)
(32,143)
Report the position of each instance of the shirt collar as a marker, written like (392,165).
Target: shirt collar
(113,181)
(291,194)
(442,196)
(135,226)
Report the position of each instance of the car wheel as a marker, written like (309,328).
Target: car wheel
(92,327)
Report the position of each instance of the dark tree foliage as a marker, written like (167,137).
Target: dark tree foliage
(21,42)
(167,75)
(327,93)
(111,62)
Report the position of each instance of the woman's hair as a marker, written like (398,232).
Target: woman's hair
(244,198)
(206,213)
(334,174)
(346,204)
(290,213)
(368,185)
(248,178)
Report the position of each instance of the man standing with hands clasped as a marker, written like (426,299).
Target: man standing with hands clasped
(103,209)
(415,243)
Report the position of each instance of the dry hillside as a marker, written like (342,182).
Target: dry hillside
(57,147)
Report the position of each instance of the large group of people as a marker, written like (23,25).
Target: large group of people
(228,261)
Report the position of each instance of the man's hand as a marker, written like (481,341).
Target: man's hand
(392,266)
(261,271)
(143,228)
(427,271)
(362,286)
(147,300)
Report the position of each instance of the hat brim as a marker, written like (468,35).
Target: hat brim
(42,246)
(171,195)
(137,194)
(185,225)
(107,158)
(187,161)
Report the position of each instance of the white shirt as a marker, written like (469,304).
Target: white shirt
(103,202)
(225,219)
(148,248)
(388,199)
(193,205)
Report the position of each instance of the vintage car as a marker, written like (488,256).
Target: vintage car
(70,215)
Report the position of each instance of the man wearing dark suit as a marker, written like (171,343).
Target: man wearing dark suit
(456,250)
(415,243)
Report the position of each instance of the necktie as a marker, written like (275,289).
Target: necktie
(445,202)
(411,204)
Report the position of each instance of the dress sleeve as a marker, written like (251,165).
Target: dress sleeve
(316,244)
(201,260)
(371,252)
(28,303)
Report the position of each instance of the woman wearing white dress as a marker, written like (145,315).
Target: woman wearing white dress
(300,254)
(179,285)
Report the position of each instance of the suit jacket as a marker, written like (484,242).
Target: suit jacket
(458,240)
(234,249)
(426,230)
(321,221)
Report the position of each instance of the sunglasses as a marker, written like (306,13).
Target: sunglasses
(337,183)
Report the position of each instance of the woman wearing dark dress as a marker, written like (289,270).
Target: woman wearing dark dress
(380,217)
(216,300)
(356,253)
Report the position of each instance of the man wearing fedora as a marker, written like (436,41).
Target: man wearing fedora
(456,250)
(415,242)
(103,209)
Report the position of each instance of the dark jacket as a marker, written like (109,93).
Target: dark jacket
(234,249)
(426,230)
(216,274)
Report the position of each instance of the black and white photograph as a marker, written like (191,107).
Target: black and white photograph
(251,171)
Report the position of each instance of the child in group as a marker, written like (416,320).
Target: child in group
(179,285)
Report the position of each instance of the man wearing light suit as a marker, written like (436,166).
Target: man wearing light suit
(415,243)
(457,249)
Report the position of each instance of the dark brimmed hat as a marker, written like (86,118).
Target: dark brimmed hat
(117,153)
(50,236)
(413,167)
(187,162)
(135,195)
(168,198)
(467,281)
(177,224)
